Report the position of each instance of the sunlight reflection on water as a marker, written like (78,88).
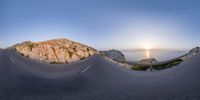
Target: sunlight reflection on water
(147,54)
(160,55)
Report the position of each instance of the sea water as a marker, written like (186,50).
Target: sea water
(160,55)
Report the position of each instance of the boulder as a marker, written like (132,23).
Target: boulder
(114,54)
(55,51)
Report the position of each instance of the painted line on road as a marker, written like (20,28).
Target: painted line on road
(84,70)
(12,60)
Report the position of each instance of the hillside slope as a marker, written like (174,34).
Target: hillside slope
(55,51)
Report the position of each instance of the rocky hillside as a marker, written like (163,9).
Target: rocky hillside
(55,51)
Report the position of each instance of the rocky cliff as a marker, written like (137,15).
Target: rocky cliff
(191,53)
(114,54)
(55,51)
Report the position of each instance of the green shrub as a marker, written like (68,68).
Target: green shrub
(70,54)
(74,49)
(158,67)
(82,58)
(30,46)
(168,65)
(88,49)
(54,62)
(138,67)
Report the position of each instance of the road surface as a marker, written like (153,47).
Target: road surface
(94,79)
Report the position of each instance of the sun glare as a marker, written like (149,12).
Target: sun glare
(147,46)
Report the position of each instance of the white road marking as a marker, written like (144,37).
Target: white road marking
(12,60)
(84,70)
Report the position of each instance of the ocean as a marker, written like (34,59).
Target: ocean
(160,55)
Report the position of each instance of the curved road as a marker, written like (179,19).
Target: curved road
(94,79)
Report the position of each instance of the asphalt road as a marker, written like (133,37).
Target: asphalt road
(94,79)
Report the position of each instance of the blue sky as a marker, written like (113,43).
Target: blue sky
(103,24)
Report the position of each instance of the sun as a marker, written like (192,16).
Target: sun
(147,46)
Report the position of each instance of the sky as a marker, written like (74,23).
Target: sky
(103,24)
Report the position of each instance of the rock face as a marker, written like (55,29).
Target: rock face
(148,61)
(114,54)
(195,50)
(55,51)
(191,53)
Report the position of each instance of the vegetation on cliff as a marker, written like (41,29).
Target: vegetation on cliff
(55,51)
